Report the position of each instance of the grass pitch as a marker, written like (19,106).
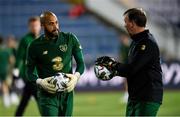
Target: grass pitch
(102,104)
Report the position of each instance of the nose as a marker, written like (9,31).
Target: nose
(56,27)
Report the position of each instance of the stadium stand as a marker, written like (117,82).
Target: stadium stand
(14,16)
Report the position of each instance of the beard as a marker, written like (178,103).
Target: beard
(53,34)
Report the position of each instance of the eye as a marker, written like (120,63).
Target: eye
(50,23)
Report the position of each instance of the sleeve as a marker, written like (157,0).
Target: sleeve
(143,55)
(78,55)
(20,54)
(31,64)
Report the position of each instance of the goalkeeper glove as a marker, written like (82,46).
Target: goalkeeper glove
(109,63)
(47,84)
(73,81)
(106,61)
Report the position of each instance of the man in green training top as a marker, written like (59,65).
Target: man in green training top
(29,89)
(4,64)
(50,54)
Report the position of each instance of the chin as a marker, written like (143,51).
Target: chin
(55,33)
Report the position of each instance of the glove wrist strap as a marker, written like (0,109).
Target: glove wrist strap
(77,74)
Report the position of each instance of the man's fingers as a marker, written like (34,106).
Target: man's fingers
(69,76)
(50,85)
(69,89)
(69,83)
(52,92)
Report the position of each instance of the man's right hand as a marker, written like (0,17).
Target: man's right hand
(47,84)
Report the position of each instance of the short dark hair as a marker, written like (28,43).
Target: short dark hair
(44,15)
(137,15)
(33,19)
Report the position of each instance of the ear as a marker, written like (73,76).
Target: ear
(133,24)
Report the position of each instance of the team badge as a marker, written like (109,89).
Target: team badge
(58,64)
(63,48)
(143,47)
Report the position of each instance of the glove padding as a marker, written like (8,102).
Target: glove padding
(47,84)
(73,79)
(109,63)
(105,61)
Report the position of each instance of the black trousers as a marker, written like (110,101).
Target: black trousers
(28,91)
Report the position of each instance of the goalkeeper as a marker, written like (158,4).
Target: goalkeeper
(143,70)
(49,54)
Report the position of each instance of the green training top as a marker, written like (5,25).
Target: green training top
(54,55)
(22,54)
(4,60)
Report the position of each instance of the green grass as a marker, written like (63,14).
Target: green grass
(103,103)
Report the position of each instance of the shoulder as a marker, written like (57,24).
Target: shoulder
(25,38)
(35,42)
(147,45)
(149,41)
(68,34)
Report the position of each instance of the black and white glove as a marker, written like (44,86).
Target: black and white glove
(106,61)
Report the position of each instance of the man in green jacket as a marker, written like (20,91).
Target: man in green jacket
(50,54)
(20,65)
(4,64)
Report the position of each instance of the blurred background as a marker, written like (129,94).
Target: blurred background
(98,24)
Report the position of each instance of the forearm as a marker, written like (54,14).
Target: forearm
(121,69)
(20,55)
(31,76)
(80,62)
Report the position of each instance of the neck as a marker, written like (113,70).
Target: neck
(50,37)
(36,35)
(138,30)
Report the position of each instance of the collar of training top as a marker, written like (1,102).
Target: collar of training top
(31,34)
(140,35)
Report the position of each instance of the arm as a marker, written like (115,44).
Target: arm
(19,57)
(45,83)
(140,59)
(78,56)
(31,62)
(20,54)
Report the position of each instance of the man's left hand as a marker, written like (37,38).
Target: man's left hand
(73,79)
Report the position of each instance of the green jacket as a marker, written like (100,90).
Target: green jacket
(22,54)
(54,55)
(4,60)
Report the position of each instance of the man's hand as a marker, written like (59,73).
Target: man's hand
(73,79)
(47,84)
(105,61)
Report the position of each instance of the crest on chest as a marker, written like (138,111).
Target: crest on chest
(63,47)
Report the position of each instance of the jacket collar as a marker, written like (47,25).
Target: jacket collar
(139,36)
